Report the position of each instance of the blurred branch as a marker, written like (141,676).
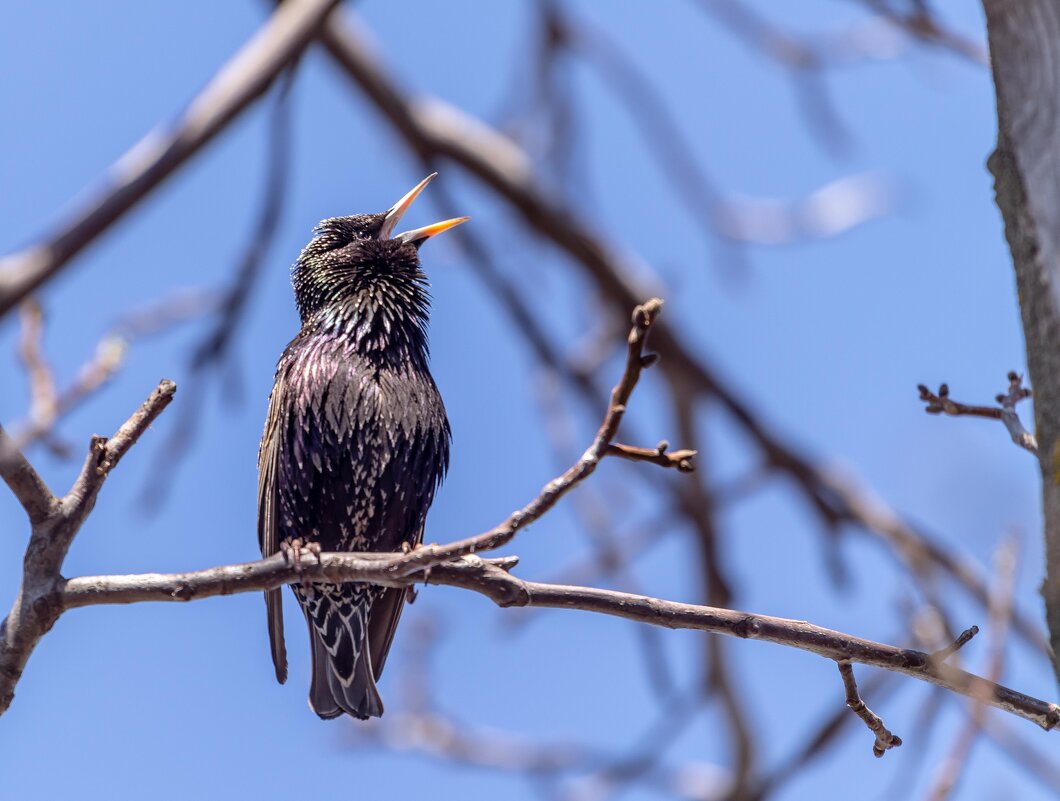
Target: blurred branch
(814,746)
(433,129)
(804,60)
(216,345)
(213,351)
(922,24)
(43,403)
(1041,766)
(1000,612)
(435,734)
(235,86)
(941,403)
(106,360)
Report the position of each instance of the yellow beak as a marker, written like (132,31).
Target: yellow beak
(397,211)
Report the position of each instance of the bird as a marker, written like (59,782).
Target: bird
(356,442)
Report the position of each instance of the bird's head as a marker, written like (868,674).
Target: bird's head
(356,268)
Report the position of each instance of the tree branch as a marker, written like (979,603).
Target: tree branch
(55,523)
(45,595)
(235,86)
(433,129)
(27,485)
(941,403)
(884,739)
(491,577)
(636,360)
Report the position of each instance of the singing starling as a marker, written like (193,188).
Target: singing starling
(356,442)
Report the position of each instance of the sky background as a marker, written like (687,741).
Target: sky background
(827,339)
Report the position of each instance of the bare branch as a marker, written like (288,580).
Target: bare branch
(884,739)
(55,523)
(922,24)
(491,577)
(51,539)
(962,640)
(43,402)
(681,459)
(636,361)
(213,352)
(24,481)
(236,85)
(109,356)
(950,768)
(940,403)
(434,129)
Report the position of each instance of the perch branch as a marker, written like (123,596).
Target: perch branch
(45,594)
(492,578)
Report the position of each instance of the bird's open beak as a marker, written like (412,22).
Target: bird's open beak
(419,235)
(397,211)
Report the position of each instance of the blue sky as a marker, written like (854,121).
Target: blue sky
(826,339)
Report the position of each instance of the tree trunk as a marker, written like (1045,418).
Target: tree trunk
(1025,54)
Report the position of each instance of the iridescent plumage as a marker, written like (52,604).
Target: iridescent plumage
(356,442)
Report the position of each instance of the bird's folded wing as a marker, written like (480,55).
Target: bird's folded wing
(268,530)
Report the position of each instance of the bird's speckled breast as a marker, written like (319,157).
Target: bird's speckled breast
(364,449)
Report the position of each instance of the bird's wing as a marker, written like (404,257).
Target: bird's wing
(268,529)
(382,623)
(383,620)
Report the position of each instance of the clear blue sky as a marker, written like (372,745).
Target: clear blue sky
(827,339)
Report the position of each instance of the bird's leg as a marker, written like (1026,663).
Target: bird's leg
(410,590)
(292,548)
(292,552)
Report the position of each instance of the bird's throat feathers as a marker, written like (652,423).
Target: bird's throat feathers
(371,295)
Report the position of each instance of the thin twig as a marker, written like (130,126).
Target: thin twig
(941,403)
(108,357)
(43,402)
(681,459)
(636,361)
(962,640)
(885,740)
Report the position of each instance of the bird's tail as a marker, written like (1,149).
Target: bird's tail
(342,681)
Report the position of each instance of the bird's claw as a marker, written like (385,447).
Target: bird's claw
(292,548)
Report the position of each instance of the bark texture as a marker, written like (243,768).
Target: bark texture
(1025,55)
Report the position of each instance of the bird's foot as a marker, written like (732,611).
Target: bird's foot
(292,548)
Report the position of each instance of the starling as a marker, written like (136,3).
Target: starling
(356,442)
